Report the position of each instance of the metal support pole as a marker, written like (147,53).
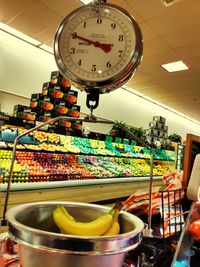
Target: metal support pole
(148,231)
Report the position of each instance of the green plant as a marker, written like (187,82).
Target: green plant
(117,129)
(174,137)
(139,132)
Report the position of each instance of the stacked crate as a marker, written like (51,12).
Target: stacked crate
(158,131)
(55,99)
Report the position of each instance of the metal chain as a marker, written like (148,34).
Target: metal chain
(96,4)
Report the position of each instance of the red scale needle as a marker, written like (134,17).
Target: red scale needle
(105,47)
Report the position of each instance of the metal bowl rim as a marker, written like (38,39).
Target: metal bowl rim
(12,212)
(69,252)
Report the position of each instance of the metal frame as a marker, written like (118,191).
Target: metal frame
(3,221)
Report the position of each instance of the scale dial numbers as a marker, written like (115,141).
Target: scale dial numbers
(97,49)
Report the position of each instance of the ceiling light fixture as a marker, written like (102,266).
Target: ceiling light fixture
(26,38)
(18,34)
(85,2)
(175,66)
(170,2)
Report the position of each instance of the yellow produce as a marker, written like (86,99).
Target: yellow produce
(62,209)
(115,227)
(114,230)
(94,228)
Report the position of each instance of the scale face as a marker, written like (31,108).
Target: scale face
(98,47)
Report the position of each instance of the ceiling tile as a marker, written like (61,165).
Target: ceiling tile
(10,9)
(156,59)
(155,45)
(190,50)
(35,22)
(49,42)
(183,37)
(47,34)
(147,31)
(147,9)
(185,15)
(62,7)
(193,63)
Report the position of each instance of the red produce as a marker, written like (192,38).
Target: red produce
(194,229)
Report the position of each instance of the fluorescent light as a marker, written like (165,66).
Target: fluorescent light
(170,2)
(175,66)
(46,48)
(9,30)
(85,2)
(19,34)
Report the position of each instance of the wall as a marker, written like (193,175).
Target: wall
(24,68)
(8,101)
(122,105)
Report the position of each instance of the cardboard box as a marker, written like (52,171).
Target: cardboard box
(159,119)
(65,123)
(74,111)
(71,97)
(165,128)
(45,105)
(77,125)
(55,93)
(21,108)
(44,115)
(58,79)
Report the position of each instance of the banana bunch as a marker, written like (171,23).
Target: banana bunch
(115,227)
(105,225)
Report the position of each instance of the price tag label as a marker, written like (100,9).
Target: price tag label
(133,143)
(108,138)
(118,140)
(126,141)
(44,128)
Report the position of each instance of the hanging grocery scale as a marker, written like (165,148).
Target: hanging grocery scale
(98,48)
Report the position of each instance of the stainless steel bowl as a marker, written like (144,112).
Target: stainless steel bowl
(41,244)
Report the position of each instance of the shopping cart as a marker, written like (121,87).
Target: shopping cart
(167,225)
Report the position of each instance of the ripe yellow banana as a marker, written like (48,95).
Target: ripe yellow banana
(115,227)
(94,228)
(62,209)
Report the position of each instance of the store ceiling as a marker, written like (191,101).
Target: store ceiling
(170,34)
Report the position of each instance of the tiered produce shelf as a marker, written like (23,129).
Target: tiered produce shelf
(53,166)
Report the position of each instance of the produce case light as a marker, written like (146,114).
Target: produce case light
(18,34)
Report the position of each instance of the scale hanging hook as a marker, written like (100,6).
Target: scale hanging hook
(92,96)
(95,5)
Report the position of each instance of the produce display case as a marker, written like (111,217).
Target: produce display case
(45,165)
(44,157)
